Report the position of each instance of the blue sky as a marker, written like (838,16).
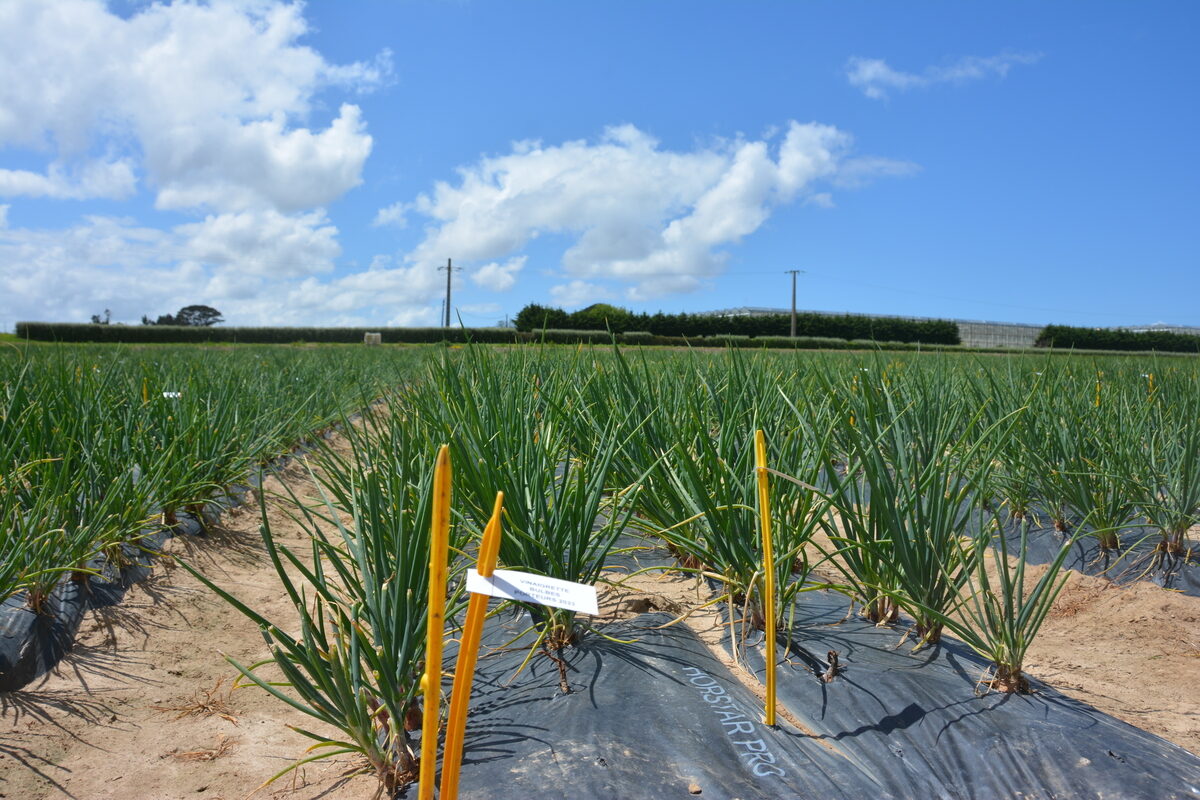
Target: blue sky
(315,164)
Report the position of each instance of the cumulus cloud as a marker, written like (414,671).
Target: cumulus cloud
(498,277)
(211,99)
(876,78)
(212,109)
(393,294)
(229,262)
(101,262)
(108,179)
(653,219)
(578,293)
(263,243)
(261,163)
(396,215)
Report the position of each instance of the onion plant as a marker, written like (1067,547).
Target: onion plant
(1018,464)
(1099,467)
(711,477)
(1170,496)
(1003,614)
(906,507)
(561,520)
(93,438)
(631,404)
(355,662)
(35,553)
(714,481)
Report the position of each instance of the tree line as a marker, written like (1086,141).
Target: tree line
(196,316)
(602,316)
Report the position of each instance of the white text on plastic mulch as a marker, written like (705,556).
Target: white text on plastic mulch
(738,726)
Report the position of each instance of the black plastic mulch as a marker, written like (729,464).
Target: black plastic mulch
(659,717)
(1135,560)
(921,724)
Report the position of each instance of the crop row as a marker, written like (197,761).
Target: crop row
(894,480)
(97,443)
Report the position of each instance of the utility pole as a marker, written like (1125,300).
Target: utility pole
(450,270)
(794,273)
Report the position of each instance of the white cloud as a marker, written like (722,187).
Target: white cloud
(975,67)
(655,220)
(398,296)
(361,76)
(578,293)
(876,78)
(211,98)
(498,277)
(261,163)
(210,107)
(107,179)
(858,172)
(480,308)
(396,214)
(820,200)
(100,263)
(258,268)
(263,243)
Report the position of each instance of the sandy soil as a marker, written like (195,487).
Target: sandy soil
(1132,652)
(142,707)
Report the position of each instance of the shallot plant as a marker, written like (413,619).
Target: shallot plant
(514,426)
(355,660)
(908,505)
(1005,608)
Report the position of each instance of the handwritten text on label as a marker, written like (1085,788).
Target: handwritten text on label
(537,589)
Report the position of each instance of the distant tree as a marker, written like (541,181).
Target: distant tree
(601,316)
(534,317)
(162,319)
(96,320)
(198,316)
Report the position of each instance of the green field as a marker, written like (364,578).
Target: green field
(894,472)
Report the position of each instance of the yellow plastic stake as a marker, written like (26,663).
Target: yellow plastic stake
(1150,388)
(145,391)
(468,652)
(431,682)
(764,516)
(1097,394)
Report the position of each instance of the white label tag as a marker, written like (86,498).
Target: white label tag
(535,589)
